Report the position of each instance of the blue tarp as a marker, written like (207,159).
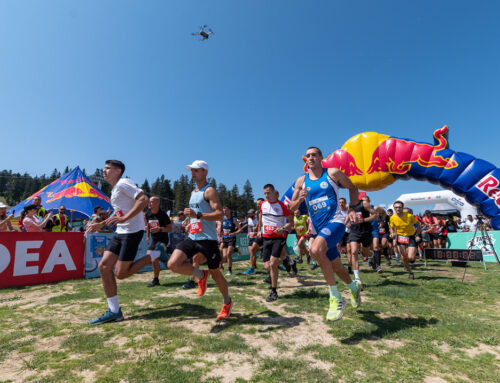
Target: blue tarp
(74,190)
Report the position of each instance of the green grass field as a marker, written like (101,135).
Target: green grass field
(432,329)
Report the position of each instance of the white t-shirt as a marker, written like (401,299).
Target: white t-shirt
(471,225)
(123,197)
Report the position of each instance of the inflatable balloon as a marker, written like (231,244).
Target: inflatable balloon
(373,161)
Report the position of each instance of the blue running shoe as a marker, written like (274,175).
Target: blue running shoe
(108,317)
(250,271)
(189,285)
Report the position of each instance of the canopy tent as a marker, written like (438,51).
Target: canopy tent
(74,190)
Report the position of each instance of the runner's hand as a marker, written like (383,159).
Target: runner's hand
(155,229)
(189,212)
(303,194)
(114,220)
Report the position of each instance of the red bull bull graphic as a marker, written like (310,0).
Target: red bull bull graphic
(374,161)
(73,190)
(397,155)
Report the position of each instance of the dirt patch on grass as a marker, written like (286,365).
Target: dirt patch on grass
(482,349)
(434,379)
(232,369)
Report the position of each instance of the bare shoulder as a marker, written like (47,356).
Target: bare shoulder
(210,193)
(300,181)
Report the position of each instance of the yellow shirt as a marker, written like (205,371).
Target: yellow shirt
(300,223)
(404,224)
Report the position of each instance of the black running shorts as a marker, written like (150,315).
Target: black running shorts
(365,238)
(258,240)
(210,249)
(125,245)
(272,247)
(227,242)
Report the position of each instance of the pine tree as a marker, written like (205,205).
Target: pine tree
(145,187)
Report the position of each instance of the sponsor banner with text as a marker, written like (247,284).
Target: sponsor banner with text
(35,258)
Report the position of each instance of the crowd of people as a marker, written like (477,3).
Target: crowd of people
(328,228)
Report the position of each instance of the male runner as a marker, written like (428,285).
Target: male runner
(204,210)
(158,225)
(253,244)
(128,202)
(274,222)
(361,233)
(342,246)
(301,224)
(403,232)
(229,227)
(319,188)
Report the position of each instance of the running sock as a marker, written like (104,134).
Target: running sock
(273,289)
(334,292)
(113,304)
(198,273)
(352,286)
(356,274)
(227,299)
(230,269)
(376,257)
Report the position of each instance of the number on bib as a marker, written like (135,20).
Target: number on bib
(195,227)
(403,240)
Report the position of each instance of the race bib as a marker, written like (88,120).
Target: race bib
(226,232)
(154,223)
(253,235)
(381,230)
(403,240)
(300,229)
(195,226)
(119,213)
(268,229)
(359,215)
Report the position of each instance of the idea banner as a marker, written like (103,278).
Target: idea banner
(35,258)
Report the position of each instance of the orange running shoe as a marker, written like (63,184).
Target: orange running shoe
(202,284)
(225,311)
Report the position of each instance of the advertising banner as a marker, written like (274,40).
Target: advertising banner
(35,258)
(464,241)
(95,245)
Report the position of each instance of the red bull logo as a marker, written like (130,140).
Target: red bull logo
(396,155)
(81,189)
(489,185)
(344,161)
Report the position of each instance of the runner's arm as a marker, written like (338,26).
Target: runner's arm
(342,180)
(237,226)
(141,201)
(299,194)
(259,225)
(373,213)
(213,199)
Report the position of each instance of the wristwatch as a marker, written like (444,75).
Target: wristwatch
(199,214)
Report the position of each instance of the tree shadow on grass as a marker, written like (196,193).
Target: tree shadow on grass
(305,281)
(306,294)
(176,312)
(390,282)
(431,278)
(385,326)
(270,320)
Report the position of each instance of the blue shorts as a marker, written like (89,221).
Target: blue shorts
(332,233)
(375,234)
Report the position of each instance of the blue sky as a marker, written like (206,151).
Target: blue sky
(82,82)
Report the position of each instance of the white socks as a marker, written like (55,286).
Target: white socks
(113,304)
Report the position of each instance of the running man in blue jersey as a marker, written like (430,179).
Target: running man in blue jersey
(319,188)
(204,210)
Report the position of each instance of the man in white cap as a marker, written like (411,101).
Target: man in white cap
(204,211)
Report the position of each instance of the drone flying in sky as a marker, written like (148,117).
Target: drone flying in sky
(204,32)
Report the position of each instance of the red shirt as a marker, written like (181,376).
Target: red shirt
(274,216)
